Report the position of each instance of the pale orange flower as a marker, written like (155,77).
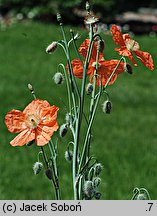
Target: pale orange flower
(105,67)
(37,122)
(128,46)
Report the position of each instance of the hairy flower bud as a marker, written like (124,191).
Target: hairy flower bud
(37,167)
(69,118)
(87,6)
(31,89)
(128,68)
(63,130)
(97,195)
(58,78)
(98,168)
(59,18)
(48,173)
(96,182)
(52,47)
(68,155)
(88,188)
(141,196)
(89,88)
(107,106)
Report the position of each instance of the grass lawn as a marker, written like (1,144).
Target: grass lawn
(125,141)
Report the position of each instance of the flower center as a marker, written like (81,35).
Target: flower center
(32,121)
(132,45)
(94,64)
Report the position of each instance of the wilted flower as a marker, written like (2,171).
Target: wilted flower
(128,46)
(37,122)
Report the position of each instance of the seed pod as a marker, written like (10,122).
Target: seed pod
(68,155)
(48,173)
(58,78)
(52,47)
(98,169)
(37,167)
(107,106)
(63,130)
(89,88)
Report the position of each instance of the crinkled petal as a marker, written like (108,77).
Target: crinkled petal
(49,115)
(145,58)
(84,48)
(36,106)
(15,121)
(77,68)
(123,51)
(117,36)
(23,138)
(43,134)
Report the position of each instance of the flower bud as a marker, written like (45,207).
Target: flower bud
(52,47)
(91,19)
(48,173)
(69,118)
(89,88)
(98,169)
(30,143)
(107,106)
(87,6)
(31,89)
(58,78)
(128,68)
(59,18)
(37,167)
(101,46)
(141,197)
(68,155)
(88,188)
(97,195)
(96,182)
(63,130)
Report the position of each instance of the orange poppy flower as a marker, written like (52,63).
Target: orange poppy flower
(129,46)
(37,122)
(105,67)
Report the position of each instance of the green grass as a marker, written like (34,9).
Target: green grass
(125,141)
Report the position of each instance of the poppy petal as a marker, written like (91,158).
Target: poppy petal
(117,36)
(15,121)
(145,58)
(23,138)
(49,115)
(36,106)
(43,134)
(77,68)
(84,48)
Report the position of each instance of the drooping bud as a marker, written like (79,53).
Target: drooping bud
(48,173)
(59,18)
(37,167)
(68,155)
(69,118)
(128,68)
(97,195)
(52,47)
(87,6)
(107,107)
(141,197)
(96,182)
(88,188)
(58,78)
(98,169)
(89,88)
(101,46)
(30,143)
(63,130)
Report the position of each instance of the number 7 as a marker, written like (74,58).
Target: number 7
(151,204)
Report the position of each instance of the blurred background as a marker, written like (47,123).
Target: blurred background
(125,141)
